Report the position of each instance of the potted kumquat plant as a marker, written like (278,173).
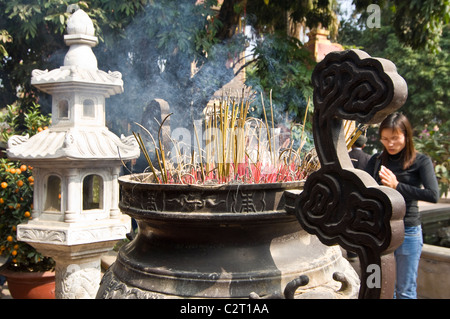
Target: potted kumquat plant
(16,205)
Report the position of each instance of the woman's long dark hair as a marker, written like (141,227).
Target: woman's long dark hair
(399,122)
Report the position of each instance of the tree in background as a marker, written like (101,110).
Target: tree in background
(427,73)
(36,30)
(185,52)
(182,51)
(416,23)
(155,44)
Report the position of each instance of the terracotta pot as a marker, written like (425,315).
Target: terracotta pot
(31,285)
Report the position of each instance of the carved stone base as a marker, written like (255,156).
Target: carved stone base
(77,279)
(77,249)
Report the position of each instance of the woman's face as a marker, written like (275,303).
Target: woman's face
(393,140)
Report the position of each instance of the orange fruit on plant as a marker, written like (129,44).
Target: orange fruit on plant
(19,183)
(12,170)
(14,252)
(27,214)
(4,184)
(23,168)
(2,201)
(9,238)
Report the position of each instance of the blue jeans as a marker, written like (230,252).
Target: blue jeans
(407,258)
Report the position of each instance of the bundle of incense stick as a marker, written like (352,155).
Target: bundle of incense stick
(353,131)
(238,149)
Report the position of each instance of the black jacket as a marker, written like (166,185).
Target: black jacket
(418,182)
(359,158)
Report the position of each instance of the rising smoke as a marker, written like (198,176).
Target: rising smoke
(161,57)
(167,53)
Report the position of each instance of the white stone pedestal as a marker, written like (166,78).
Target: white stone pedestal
(77,249)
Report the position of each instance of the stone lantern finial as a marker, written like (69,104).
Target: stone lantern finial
(81,38)
(80,23)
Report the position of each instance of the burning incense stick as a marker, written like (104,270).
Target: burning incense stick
(239,149)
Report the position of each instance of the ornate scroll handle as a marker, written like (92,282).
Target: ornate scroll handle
(340,204)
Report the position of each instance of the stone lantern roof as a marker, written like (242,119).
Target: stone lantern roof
(100,144)
(78,90)
(66,77)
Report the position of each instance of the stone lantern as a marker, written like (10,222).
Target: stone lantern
(76,164)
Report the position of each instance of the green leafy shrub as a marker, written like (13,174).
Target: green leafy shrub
(16,193)
(435,144)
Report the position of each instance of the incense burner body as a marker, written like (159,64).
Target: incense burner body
(220,241)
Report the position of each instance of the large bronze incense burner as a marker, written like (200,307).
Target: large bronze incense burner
(240,240)
(219,241)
